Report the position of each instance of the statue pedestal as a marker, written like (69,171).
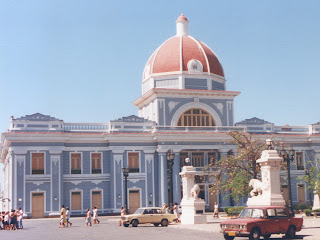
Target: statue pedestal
(316,201)
(270,185)
(193,208)
(193,211)
(271,200)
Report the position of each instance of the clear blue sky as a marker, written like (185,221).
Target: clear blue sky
(82,61)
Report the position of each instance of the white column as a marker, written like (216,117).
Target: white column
(163,178)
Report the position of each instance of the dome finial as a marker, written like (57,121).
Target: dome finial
(182,25)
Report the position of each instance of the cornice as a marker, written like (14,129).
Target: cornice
(165,92)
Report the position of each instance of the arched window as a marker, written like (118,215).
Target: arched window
(196,117)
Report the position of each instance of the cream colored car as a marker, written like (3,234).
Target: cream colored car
(151,215)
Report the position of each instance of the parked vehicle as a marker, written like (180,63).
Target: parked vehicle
(254,222)
(151,215)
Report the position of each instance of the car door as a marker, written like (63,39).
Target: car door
(144,218)
(284,220)
(272,222)
(156,218)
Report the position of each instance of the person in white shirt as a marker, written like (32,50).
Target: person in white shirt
(88,218)
(95,215)
(175,211)
(68,217)
(6,224)
(216,210)
(20,217)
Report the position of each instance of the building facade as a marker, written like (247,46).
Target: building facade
(184,109)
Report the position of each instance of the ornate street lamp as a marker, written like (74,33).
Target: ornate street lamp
(309,180)
(288,157)
(125,172)
(170,159)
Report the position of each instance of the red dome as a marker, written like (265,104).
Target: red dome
(174,55)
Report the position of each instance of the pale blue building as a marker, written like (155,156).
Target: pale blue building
(184,108)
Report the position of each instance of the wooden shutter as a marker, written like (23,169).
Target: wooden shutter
(37,163)
(133,161)
(96,162)
(97,199)
(76,163)
(76,200)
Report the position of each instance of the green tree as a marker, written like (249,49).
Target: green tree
(313,179)
(232,174)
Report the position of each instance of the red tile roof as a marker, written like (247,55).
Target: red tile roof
(174,55)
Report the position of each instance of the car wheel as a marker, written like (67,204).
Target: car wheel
(164,222)
(255,234)
(227,237)
(135,223)
(126,225)
(291,233)
(267,236)
(156,224)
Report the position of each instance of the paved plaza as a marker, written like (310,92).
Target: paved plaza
(48,229)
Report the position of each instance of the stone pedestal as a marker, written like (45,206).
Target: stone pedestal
(316,201)
(268,190)
(193,208)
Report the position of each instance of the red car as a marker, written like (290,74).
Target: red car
(254,222)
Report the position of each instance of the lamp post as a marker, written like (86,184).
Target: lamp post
(170,159)
(125,172)
(308,174)
(288,157)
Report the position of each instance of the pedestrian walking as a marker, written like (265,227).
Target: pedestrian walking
(95,215)
(122,213)
(68,217)
(216,210)
(62,217)
(88,218)
(20,217)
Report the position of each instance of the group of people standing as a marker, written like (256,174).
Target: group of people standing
(11,220)
(65,217)
(172,209)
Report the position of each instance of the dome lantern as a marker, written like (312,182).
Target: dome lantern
(182,25)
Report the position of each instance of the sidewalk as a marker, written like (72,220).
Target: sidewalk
(310,231)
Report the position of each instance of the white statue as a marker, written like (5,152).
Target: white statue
(195,190)
(257,187)
(267,192)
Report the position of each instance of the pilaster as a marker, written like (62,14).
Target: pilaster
(56,196)
(149,178)
(18,161)
(118,185)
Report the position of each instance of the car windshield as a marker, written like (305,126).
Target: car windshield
(139,211)
(251,213)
